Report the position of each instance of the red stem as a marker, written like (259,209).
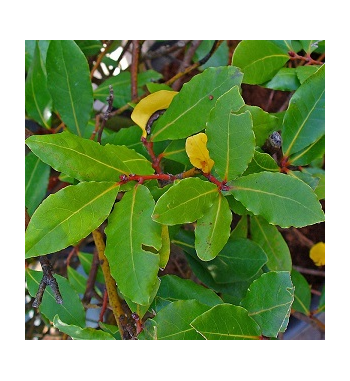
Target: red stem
(155,159)
(307,58)
(104,306)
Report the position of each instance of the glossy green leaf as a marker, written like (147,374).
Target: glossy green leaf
(219,58)
(30,49)
(78,333)
(304,72)
(307,178)
(189,110)
(131,235)
(141,309)
(36,181)
(121,84)
(259,60)
(173,321)
(322,301)
(213,229)
(231,139)
(286,79)
(71,310)
(38,100)
(308,154)
(269,300)
(128,136)
(68,80)
(261,162)
(263,123)
(176,151)
(86,262)
(66,217)
(164,252)
(173,288)
(272,242)
(85,159)
(282,200)
(302,293)
(185,201)
(90,47)
(226,322)
(111,329)
(239,260)
(240,230)
(205,272)
(304,120)
(77,280)
(309,45)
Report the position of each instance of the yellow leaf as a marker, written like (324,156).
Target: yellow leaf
(196,149)
(159,100)
(318,253)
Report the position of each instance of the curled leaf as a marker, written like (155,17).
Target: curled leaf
(318,253)
(146,107)
(196,149)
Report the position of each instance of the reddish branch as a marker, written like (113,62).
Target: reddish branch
(134,67)
(307,58)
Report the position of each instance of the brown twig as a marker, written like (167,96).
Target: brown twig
(306,59)
(195,65)
(186,62)
(47,280)
(100,58)
(134,68)
(90,284)
(312,320)
(309,271)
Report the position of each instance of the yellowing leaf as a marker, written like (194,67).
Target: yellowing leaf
(159,100)
(318,253)
(196,149)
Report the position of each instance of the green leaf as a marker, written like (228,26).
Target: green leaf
(68,79)
(219,58)
(269,300)
(304,72)
(173,288)
(302,294)
(176,151)
(68,216)
(309,45)
(304,120)
(121,84)
(231,139)
(131,234)
(141,309)
(259,60)
(36,181)
(185,201)
(30,49)
(282,200)
(71,311)
(205,271)
(272,242)
(263,123)
(90,47)
(128,136)
(78,333)
(86,262)
(189,110)
(38,100)
(226,322)
(261,162)
(213,229)
(309,153)
(241,229)
(239,260)
(173,321)
(164,252)
(77,280)
(286,79)
(85,159)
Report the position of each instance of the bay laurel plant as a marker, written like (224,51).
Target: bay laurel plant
(188,162)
